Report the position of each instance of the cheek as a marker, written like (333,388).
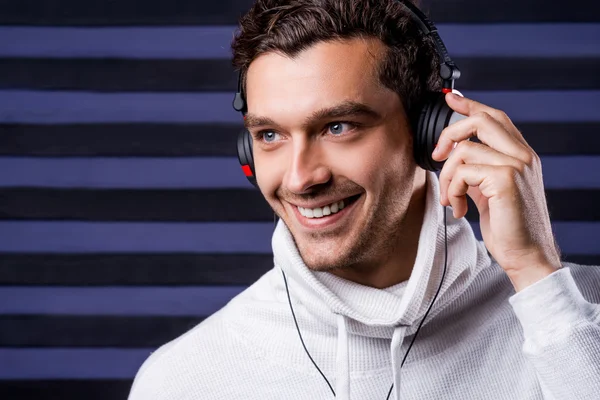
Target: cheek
(269,173)
(382,162)
(367,170)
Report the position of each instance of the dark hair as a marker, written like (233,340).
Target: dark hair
(410,66)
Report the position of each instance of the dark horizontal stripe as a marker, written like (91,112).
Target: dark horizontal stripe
(583,259)
(225,237)
(132,237)
(97,331)
(102,13)
(123,75)
(71,363)
(36,107)
(208,205)
(208,42)
(147,140)
(187,140)
(150,269)
(473,11)
(221,205)
(132,269)
(560,172)
(562,138)
(196,301)
(65,389)
(181,12)
(564,205)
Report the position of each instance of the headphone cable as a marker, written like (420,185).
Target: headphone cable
(416,333)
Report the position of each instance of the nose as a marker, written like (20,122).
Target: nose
(306,167)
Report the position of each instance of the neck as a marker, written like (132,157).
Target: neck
(398,265)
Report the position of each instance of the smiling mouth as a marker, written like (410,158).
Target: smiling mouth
(330,209)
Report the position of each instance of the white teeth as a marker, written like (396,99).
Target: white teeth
(321,212)
(334,208)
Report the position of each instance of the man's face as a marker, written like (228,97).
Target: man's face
(325,130)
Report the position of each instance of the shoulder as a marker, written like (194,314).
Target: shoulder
(200,361)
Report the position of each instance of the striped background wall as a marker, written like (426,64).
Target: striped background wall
(125,219)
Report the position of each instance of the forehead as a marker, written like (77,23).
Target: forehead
(319,76)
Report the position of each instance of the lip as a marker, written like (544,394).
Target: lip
(320,223)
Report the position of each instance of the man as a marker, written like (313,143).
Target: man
(332,89)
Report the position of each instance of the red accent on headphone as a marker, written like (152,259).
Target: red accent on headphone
(247,170)
(446,90)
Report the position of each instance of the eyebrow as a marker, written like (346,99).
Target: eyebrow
(344,109)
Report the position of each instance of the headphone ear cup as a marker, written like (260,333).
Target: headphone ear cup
(244,151)
(434,117)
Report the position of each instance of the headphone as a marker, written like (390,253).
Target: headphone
(434,116)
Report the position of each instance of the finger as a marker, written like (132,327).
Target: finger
(489,132)
(491,181)
(470,107)
(471,153)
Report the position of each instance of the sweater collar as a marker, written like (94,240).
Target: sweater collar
(376,312)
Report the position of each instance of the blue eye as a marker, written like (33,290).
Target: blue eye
(267,135)
(337,128)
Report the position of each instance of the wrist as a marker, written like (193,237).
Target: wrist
(528,276)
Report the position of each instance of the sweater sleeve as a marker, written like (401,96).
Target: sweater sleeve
(562,336)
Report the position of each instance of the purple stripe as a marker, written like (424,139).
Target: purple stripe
(84,237)
(22,106)
(200,301)
(522,40)
(172,43)
(100,237)
(83,107)
(571,172)
(133,173)
(560,172)
(543,105)
(71,363)
(527,40)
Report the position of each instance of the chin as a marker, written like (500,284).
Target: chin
(323,257)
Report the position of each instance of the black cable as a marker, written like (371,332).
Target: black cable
(416,333)
(298,328)
(302,340)
(434,297)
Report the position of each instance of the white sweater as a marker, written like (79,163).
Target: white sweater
(480,340)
